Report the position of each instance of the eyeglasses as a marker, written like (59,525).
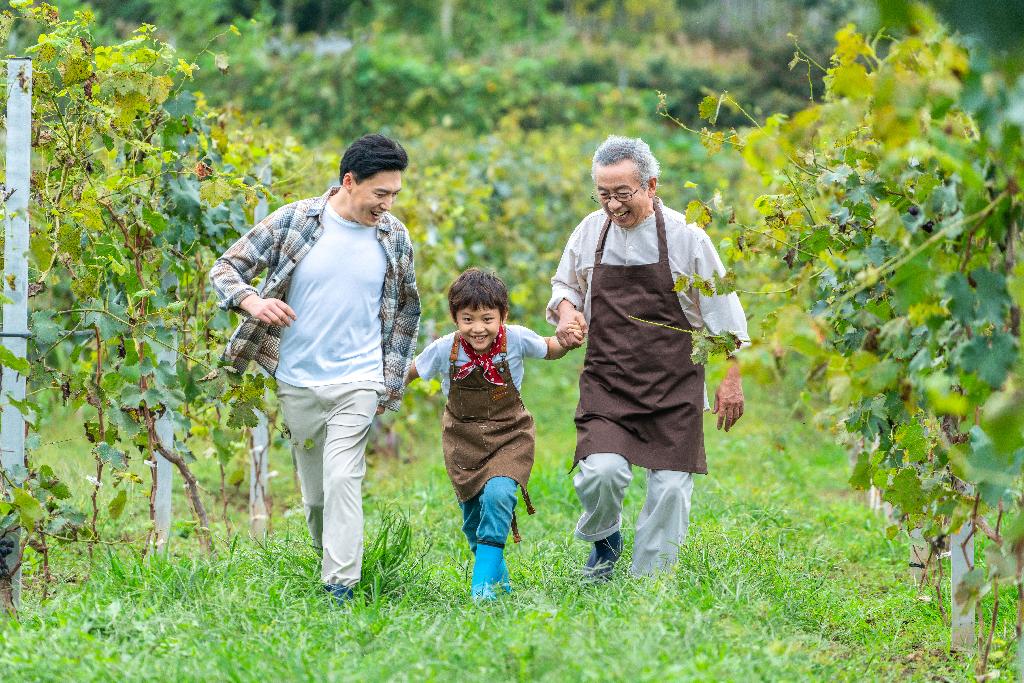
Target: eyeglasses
(621,197)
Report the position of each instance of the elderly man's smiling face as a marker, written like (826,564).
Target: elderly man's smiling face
(624,198)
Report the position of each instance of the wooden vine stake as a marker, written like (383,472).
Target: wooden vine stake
(259,437)
(15,310)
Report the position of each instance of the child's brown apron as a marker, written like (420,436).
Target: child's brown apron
(640,394)
(486,432)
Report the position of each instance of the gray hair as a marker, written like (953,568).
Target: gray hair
(616,148)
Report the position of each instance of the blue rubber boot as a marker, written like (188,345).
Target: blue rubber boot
(342,594)
(602,559)
(505,582)
(487,571)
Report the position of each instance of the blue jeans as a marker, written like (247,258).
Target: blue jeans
(487,517)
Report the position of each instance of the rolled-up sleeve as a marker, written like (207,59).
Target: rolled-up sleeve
(566,282)
(233,272)
(722,312)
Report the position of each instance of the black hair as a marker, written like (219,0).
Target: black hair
(476,289)
(371,154)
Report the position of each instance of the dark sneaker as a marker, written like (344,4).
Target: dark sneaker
(602,559)
(341,594)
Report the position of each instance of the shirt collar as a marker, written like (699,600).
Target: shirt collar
(642,225)
(316,209)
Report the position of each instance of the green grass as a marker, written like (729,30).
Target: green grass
(785,576)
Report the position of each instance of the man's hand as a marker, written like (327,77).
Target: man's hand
(273,311)
(380,410)
(572,326)
(729,398)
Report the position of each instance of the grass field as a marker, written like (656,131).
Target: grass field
(785,576)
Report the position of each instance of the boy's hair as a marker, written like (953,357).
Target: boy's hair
(371,154)
(476,289)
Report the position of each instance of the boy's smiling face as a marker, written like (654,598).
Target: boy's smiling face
(479,326)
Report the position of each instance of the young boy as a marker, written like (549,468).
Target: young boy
(487,433)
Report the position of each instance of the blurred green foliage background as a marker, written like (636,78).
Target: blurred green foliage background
(337,69)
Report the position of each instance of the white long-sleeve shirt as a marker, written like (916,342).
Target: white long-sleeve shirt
(689,252)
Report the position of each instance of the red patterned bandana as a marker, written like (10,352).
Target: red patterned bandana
(484,361)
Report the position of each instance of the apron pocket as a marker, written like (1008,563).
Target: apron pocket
(470,403)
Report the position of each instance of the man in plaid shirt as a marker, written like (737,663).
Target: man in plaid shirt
(335,323)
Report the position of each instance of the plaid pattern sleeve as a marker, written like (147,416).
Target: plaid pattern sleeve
(400,318)
(243,261)
(274,244)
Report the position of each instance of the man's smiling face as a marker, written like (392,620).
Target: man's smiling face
(371,197)
(624,198)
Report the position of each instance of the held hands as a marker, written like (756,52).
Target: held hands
(572,329)
(273,311)
(729,399)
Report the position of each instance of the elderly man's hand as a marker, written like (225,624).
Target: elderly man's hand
(572,328)
(729,399)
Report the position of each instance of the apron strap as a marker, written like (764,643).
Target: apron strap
(453,356)
(503,351)
(526,499)
(659,219)
(599,253)
(529,510)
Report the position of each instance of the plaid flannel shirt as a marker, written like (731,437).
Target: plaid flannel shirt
(277,244)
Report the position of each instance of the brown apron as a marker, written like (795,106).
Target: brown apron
(486,432)
(640,394)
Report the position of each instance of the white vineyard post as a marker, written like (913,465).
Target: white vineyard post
(919,555)
(15,314)
(259,437)
(164,474)
(1020,660)
(259,471)
(961,560)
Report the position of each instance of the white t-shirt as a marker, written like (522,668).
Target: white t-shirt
(522,343)
(336,294)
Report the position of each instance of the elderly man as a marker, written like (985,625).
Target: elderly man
(641,397)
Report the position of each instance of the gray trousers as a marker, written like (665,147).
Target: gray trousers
(661,528)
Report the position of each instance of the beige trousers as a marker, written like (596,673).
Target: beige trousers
(329,426)
(661,528)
